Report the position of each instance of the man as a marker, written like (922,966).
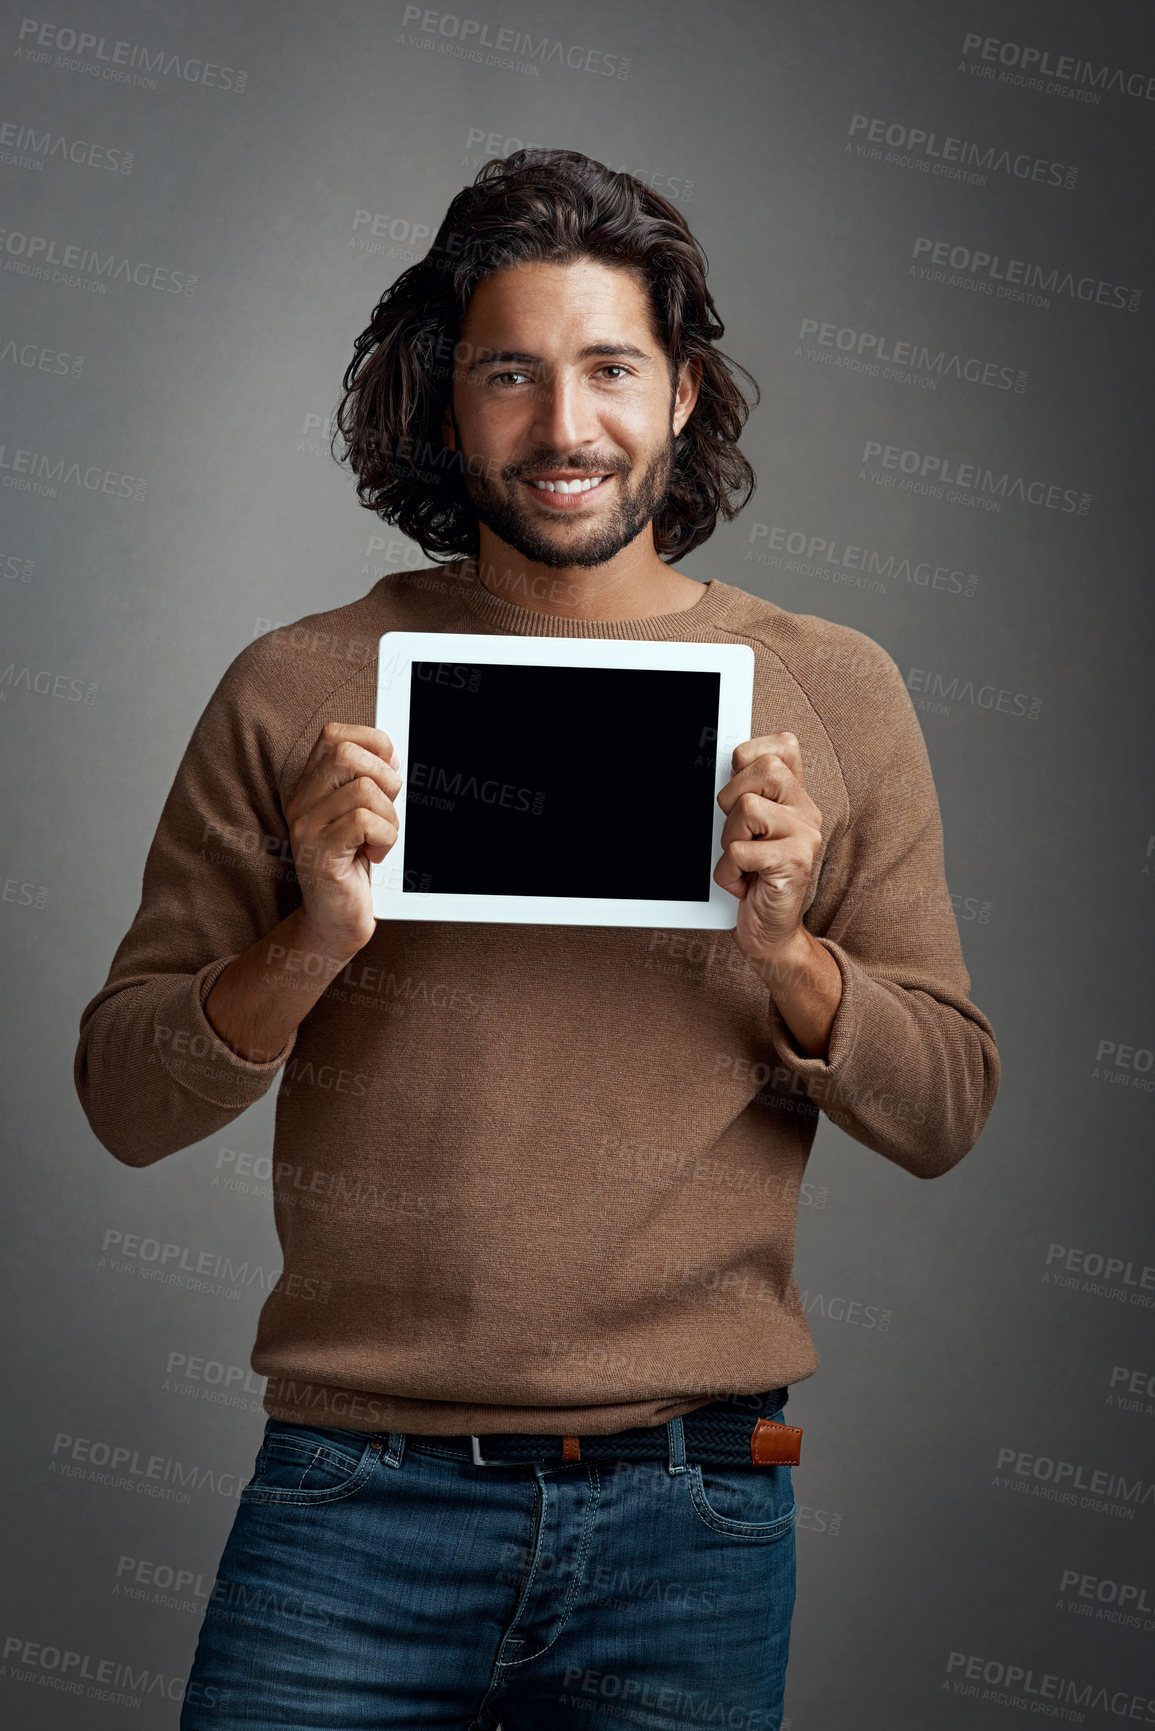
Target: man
(536,1186)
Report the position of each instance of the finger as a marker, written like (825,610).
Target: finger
(782,863)
(756,817)
(730,876)
(348,758)
(768,776)
(760,837)
(753,814)
(356,829)
(372,739)
(344,761)
(361,795)
(784,745)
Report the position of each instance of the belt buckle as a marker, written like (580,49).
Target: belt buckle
(479,1459)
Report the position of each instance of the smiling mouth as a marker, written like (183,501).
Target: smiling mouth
(579,484)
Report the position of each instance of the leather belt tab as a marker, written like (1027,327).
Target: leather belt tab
(773,1444)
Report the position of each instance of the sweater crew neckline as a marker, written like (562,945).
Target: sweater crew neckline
(501,615)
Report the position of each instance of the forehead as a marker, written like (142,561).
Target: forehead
(550,299)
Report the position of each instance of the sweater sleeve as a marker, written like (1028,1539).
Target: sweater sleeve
(912,1068)
(151,1073)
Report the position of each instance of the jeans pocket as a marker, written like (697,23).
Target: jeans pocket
(746,1502)
(305,1464)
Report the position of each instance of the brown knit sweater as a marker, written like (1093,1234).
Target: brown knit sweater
(541,1178)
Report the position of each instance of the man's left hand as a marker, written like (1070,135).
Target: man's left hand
(771,839)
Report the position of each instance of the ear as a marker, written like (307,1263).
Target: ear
(686,395)
(449,428)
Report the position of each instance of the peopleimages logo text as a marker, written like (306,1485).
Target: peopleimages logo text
(1066,68)
(1021,1686)
(975,478)
(120,61)
(1017,277)
(34,252)
(473,34)
(1065,1477)
(26,147)
(941,149)
(902,357)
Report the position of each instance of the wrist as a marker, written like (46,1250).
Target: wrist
(789,963)
(317,950)
(805,986)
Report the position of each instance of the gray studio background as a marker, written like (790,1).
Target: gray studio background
(987,1339)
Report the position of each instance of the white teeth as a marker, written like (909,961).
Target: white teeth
(569,486)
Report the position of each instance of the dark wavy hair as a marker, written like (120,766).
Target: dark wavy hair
(535,205)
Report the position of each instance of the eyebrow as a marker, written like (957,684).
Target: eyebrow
(486,357)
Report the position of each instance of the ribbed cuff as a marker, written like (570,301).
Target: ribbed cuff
(195,1056)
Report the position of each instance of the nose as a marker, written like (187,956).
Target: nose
(564,418)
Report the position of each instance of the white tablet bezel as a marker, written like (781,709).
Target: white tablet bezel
(397,650)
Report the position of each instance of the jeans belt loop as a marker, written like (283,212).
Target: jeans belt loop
(676,1442)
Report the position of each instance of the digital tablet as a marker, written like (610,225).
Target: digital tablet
(559,780)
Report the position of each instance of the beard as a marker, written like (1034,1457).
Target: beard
(499,505)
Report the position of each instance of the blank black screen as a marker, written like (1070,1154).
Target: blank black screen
(560,781)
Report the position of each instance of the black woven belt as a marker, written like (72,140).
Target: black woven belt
(718,1434)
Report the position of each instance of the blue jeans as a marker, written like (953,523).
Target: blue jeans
(370,1581)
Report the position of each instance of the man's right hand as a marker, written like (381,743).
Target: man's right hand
(341,818)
